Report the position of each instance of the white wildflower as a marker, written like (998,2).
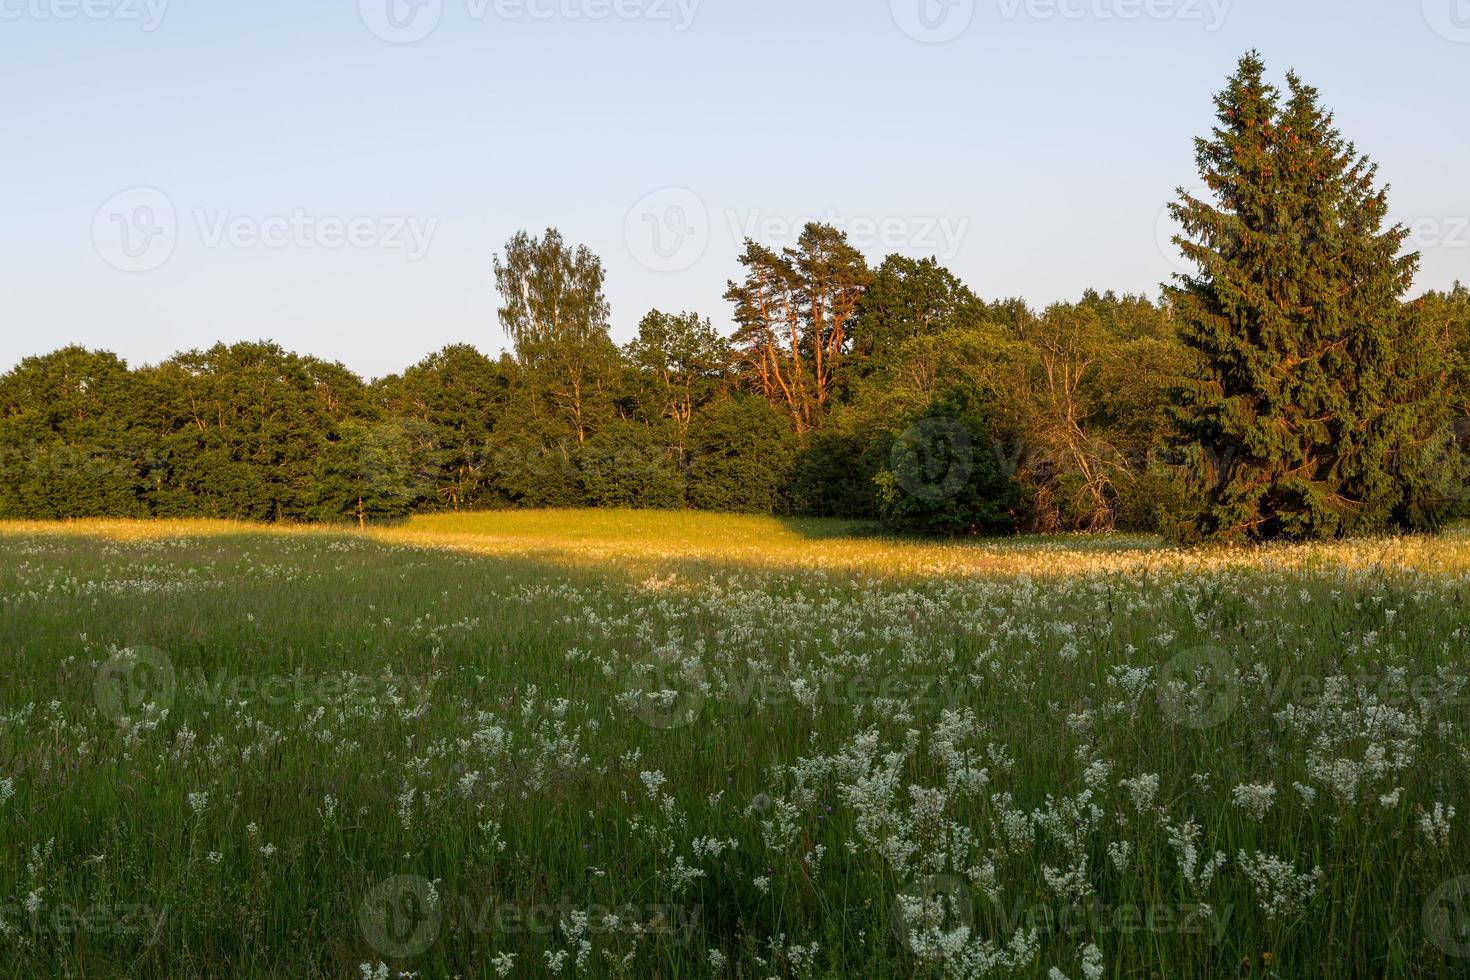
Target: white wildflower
(652,782)
(1283,890)
(1143,789)
(1255,799)
(1436,825)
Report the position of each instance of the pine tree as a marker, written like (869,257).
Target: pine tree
(1318,393)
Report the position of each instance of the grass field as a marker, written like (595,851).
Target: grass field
(652,745)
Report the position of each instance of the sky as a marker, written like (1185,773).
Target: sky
(337,175)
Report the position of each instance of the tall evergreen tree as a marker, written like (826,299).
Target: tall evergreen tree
(1311,412)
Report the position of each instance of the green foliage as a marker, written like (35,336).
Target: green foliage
(942,476)
(70,441)
(830,365)
(556,315)
(834,477)
(439,417)
(243,430)
(629,464)
(742,450)
(680,360)
(909,298)
(366,472)
(1317,395)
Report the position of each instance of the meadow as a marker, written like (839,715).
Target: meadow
(624,744)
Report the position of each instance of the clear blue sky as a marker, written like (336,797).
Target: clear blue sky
(1034,149)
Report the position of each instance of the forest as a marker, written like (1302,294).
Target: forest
(1290,388)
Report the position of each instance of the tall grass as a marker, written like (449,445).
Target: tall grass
(652,745)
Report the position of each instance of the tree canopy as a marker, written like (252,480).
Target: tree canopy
(1286,388)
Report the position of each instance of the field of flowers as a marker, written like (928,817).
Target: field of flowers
(649,746)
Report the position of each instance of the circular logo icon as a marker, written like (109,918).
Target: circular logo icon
(401,21)
(1447,917)
(664,695)
(668,230)
(936,904)
(400,918)
(933,21)
(1197,688)
(933,459)
(136,230)
(1450,19)
(132,679)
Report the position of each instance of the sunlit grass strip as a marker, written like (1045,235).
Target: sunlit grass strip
(608,537)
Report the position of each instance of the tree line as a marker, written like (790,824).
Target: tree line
(1285,389)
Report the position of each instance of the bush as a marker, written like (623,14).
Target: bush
(833,477)
(743,451)
(626,465)
(941,477)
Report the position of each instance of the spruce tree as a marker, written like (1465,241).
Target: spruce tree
(1318,394)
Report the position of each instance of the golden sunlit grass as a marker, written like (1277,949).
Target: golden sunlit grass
(648,538)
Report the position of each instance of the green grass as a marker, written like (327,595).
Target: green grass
(468,707)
